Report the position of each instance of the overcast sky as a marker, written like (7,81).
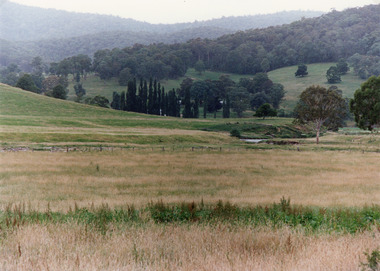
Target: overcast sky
(174,11)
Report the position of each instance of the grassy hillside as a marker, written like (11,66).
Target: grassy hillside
(32,118)
(317,76)
(285,76)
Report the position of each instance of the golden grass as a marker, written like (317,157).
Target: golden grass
(173,247)
(101,130)
(247,177)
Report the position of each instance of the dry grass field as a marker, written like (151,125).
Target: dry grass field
(58,181)
(51,163)
(175,247)
(245,177)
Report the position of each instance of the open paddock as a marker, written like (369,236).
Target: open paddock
(243,177)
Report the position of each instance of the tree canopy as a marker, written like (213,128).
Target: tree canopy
(26,83)
(301,71)
(333,75)
(366,104)
(265,110)
(317,105)
(58,92)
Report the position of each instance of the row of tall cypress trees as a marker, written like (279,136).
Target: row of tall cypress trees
(149,99)
(152,99)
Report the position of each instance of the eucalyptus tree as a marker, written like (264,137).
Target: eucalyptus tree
(317,105)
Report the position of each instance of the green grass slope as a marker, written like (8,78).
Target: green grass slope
(32,118)
(317,76)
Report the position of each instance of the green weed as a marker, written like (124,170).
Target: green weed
(277,215)
(373,261)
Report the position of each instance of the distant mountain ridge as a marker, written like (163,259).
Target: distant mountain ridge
(25,23)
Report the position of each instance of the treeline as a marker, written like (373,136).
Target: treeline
(158,61)
(212,95)
(147,98)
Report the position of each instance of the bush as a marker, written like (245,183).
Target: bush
(59,92)
(235,133)
(98,101)
(373,261)
(265,110)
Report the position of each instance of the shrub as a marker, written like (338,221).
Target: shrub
(373,261)
(235,133)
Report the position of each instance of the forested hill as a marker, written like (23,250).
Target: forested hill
(353,34)
(58,49)
(323,39)
(21,23)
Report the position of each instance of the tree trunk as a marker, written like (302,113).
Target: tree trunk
(318,129)
(318,136)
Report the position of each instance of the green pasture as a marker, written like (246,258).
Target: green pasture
(317,76)
(32,118)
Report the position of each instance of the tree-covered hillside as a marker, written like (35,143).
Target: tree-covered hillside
(26,32)
(353,34)
(23,23)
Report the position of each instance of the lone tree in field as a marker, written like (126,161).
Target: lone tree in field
(317,105)
(333,75)
(366,104)
(301,71)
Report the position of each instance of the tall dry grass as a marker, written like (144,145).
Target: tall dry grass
(137,177)
(173,247)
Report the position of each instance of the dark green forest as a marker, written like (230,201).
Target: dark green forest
(353,35)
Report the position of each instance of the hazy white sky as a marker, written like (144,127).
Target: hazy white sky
(173,11)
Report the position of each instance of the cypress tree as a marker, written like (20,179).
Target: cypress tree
(166,106)
(144,108)
(187,112)
(205,105)
(122,101)
(178,106)
(150,97)
(155,109)
(159,108)
(131,96)
(115,104)
(169,108)
(140,97)
(163,103)
(135,104)
(196,108)
(173,104)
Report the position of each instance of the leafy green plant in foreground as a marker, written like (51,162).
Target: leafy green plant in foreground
(277,215)
(373,261)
